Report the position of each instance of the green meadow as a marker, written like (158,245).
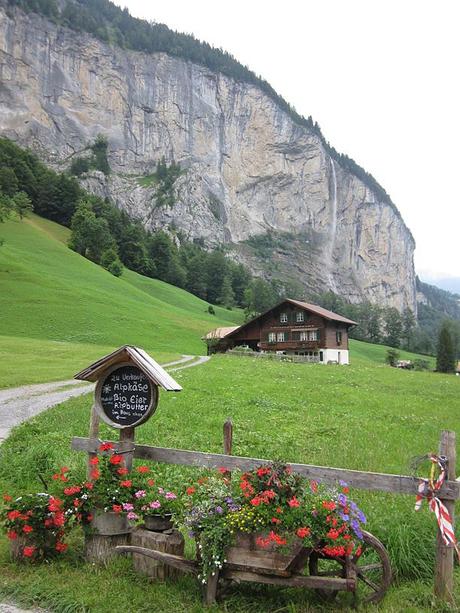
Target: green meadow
(66,311)
(365,416)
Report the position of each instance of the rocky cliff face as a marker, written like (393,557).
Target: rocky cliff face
(248,168)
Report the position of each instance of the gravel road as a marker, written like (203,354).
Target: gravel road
(21,403)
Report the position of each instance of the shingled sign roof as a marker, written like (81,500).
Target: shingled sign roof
(138,357)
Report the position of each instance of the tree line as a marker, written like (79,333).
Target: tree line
(115,26)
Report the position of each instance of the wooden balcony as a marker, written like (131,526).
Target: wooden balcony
(289,346)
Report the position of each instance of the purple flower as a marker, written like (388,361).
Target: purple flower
(219,510)
(191,534)
(156,504)
(356,529)
(344,517)
(342,500)
(361,517)
(127,506)
(314,513)
(343,483)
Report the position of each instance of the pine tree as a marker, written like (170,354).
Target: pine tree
(445,357)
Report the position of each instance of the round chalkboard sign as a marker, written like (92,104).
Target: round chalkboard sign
(125,396)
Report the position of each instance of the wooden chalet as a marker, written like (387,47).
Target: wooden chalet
(290,328)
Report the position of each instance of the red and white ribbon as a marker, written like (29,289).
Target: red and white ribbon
(427,489)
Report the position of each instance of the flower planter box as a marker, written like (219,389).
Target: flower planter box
(109,523)
(158,523)
(247,553)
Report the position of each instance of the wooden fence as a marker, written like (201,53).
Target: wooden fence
(377,482)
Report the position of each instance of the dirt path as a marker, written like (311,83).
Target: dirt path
(21,403)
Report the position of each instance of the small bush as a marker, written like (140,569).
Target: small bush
(392,357)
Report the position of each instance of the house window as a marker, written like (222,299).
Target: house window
(272,337)
(304,336)
(338,337)
(299,317)
(281,337)
(283,318)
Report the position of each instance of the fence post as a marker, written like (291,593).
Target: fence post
(228,437)
(93,433)
(444,569)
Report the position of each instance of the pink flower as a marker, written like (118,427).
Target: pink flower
(161,490)
(156,504)
(127,506)
(140,494)
(131,515)
(170,496)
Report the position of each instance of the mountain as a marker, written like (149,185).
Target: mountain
(449,284)
(247,172)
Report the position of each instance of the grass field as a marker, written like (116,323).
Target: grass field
(49,293)
(365,416)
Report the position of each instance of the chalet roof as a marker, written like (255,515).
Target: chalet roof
(322,312)
(313,308)
(219,332)
(139,358)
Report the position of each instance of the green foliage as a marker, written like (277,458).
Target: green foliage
(165,178)
(393,327)
(392,357)
(211,310)
(445,356)
(111,262)
(97,161)
(260,296)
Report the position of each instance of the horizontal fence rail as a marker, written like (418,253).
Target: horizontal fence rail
(379,482)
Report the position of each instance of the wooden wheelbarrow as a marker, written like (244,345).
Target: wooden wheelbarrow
(367,575)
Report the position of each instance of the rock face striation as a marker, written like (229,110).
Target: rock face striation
(248,169)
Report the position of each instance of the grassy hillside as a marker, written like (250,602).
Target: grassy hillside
(50,293)
(365,416)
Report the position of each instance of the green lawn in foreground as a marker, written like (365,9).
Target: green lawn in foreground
(365,416)
(50,293)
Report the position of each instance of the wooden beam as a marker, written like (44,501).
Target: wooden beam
(378,482)
(93,434)
(325,583)
(444,568)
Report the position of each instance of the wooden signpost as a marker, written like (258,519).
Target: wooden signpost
(126,396)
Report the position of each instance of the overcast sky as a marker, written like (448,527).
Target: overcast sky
(381,77)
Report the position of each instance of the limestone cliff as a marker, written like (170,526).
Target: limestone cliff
(248,168)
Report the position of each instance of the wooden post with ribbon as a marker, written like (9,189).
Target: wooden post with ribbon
(444,568)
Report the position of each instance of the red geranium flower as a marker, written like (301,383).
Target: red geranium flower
(59,519)
(303,532)
(190,491)
(117,508)
(263,471)
(28,552)
(122,471)
(27,529)
(12,515)
(223,470)
(7,498)
(54,504)
(275,520)
(61,547)
(12,535)
(150,482)
(116,459)
(127,483)
(293,502)
(143,469)
(94,461)
(106,446)
(95,474)
(329,505)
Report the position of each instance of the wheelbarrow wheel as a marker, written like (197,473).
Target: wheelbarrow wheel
(372,565)
(373,570)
